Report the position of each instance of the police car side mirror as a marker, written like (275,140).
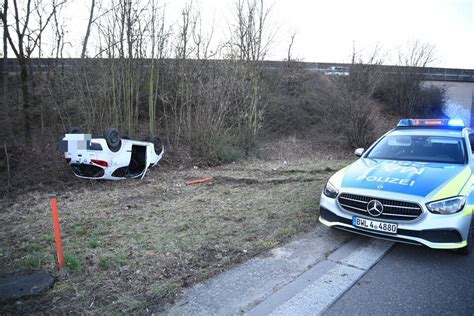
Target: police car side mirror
(359,151)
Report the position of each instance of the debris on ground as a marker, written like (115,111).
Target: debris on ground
(196,181)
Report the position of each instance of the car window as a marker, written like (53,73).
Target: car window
(420,148)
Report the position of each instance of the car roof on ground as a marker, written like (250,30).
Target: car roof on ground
(426,132)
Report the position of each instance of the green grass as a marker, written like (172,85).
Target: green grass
(121,259)
(79,230)
(37,260)
(48,237)
(72,262)
(33,262)
(138,306)
(268,243)
(33,247)
(287,232)
(104,263)
(92,244)
(166,290)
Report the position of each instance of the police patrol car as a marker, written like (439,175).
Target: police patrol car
(413,185)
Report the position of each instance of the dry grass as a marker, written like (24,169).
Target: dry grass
(132,245)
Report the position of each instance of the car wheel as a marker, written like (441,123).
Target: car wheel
(73,130)
(156,140)
(469,247)
(112,137)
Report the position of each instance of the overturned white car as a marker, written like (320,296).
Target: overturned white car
(109,157)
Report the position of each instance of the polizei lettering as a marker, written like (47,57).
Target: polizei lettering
(399,181)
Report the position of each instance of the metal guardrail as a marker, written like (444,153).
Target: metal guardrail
(428,73)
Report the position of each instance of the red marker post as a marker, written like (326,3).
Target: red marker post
(57,231)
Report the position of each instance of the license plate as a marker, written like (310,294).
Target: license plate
(374,225)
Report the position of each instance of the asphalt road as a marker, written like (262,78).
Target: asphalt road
(412,280)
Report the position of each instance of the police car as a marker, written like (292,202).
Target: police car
(412,185)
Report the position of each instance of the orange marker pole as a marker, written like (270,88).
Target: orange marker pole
(57,231)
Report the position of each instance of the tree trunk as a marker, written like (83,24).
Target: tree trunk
(88,31)
(25,95)
(5,70)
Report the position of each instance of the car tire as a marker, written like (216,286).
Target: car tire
(112,137)
(157,143)
(73,130)
(468,249)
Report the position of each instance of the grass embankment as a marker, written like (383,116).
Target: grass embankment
(132,245)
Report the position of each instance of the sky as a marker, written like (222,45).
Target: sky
(327,31)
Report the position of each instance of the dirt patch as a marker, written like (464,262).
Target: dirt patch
(132,245)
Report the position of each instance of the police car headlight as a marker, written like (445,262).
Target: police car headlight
(330,191)
(447,206)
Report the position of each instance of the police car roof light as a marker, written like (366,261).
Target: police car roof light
(456,122)
(430,123)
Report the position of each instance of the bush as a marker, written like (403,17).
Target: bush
(228,149)
(404,94)
(294,100)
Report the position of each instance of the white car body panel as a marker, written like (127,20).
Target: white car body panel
(78,154)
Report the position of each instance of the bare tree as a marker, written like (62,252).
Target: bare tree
(249,37)
(185,31)
(290,46)
(158,39)
(26,42)
(4,13)
(88,30)
(59,30)
(250,42)
(402,89)
(349,107)
(417,54)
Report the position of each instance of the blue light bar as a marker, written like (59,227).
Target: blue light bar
(431,123)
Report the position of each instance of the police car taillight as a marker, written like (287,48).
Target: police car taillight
(431,123)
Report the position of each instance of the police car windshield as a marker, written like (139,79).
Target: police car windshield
(420,148)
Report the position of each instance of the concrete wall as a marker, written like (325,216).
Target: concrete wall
(459,99)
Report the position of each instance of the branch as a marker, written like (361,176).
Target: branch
(7,34)
(28,13)
(35,42)
(88,31)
